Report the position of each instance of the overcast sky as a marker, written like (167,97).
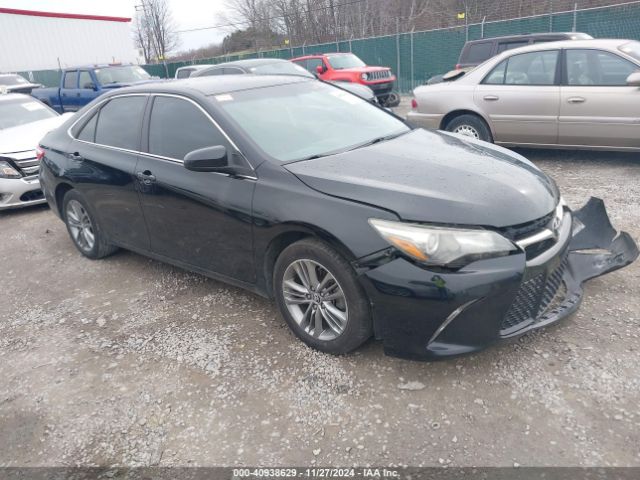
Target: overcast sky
(187,14)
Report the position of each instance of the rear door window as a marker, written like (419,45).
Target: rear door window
(178,127)
(70,80)
(120,122)
(535,68)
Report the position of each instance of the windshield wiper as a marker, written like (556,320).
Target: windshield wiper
(377,140)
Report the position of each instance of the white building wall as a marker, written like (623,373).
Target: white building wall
(39,43)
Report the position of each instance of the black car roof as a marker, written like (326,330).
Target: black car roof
(213,85)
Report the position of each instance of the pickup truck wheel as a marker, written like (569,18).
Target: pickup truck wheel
(83,228)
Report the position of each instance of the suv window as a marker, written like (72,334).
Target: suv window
(597,67)
(70,80)
(178,127)
(119,122)
(477,52)
(535,68)
(313,64)
(85,79)
(504,46)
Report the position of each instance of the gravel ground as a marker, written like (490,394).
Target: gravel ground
(127,361)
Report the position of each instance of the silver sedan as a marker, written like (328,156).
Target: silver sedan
(569,94)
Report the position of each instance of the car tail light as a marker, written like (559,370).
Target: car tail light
(414,104)
(39,153)
(458,66)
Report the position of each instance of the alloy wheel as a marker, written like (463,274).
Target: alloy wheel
(467,131)
(315,299)
(80,225)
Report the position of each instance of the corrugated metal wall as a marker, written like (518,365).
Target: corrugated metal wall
(37,43)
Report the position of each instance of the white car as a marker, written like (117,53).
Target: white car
(23,122)
(186,72)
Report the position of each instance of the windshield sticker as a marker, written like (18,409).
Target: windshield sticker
(347,97)
(32,106)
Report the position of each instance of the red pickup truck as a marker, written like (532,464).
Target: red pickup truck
(346,67)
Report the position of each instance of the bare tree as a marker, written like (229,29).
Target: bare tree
(142,36)
(155,30)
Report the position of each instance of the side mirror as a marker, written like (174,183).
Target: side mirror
(634,79)
(90,85)
(320,69)
(208,159)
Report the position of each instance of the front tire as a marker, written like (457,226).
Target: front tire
(470,126)
(320,298)
(83,227)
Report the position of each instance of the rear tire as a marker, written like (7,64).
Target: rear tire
(470,126)
(83,227)
(319,296)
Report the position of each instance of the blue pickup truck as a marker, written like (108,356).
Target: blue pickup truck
(80,85)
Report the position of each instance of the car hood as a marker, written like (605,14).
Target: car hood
(26,137)
(436,177)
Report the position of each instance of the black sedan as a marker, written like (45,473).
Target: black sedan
(355,223)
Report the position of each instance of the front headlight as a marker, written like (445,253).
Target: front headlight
(443,246)
(7,171)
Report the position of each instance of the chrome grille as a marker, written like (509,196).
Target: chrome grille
(379,75)
(26,162)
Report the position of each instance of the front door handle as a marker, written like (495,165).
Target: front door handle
(491,98)
(75,156)
(576,100)
(146,177)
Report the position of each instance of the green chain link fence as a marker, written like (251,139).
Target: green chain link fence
(415,57)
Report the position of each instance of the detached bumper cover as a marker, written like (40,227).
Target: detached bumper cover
(424,314)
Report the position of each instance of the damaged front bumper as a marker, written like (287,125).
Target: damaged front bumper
(423,314)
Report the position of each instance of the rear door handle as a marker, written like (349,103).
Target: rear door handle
(75,156)
(576,99)
(491,98)
(146,177)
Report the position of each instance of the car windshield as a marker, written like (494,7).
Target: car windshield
(280,68)
(127,74)
(632,49)
(339,62)
(12,80)
(308,119)
(21,111)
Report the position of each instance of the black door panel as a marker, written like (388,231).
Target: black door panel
(199,218)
